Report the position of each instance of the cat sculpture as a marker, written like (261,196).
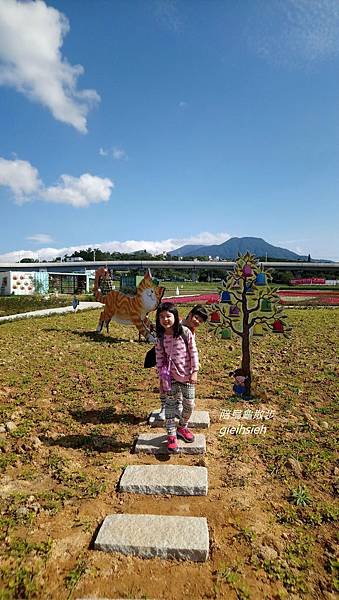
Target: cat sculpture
(128,310)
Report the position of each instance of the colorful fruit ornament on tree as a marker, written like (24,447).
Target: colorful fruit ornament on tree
(254,308)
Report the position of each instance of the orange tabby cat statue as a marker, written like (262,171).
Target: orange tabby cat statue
(128,310)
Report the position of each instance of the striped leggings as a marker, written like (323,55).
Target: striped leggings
(186,392)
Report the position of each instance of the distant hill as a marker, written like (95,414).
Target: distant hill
(232,247)
(188,250)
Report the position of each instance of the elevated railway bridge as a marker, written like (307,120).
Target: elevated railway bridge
(161,265)
(76,277)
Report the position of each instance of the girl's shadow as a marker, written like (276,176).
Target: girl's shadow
(99,337)
(95,443)
(105,415)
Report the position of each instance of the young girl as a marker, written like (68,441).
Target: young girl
(197,315)
(177,365)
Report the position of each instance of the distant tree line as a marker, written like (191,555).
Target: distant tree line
(205,275)
(95,254)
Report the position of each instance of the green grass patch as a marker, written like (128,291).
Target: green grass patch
(78,401)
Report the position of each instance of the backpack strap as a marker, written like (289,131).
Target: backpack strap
(168,358)
(184,335)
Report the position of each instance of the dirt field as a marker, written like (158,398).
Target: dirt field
(72,404)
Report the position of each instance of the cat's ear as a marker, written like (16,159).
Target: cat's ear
(148,274)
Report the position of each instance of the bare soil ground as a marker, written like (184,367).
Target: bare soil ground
(72,404)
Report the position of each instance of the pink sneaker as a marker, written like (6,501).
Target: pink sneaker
(185,434)
(172,445)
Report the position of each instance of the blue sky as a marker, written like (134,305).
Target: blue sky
(132,124)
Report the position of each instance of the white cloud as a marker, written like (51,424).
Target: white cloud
(115,152)
(119,154)
(31,37)
(79,191)
(295,32)
(154,247)
(20,177)
(40,238)
(17,255)
(23,180)
(159,246)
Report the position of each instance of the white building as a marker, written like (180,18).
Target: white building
(20,283)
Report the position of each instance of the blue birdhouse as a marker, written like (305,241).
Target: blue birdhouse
(225,297)
(261,279)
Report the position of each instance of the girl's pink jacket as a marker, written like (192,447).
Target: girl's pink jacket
(184,359)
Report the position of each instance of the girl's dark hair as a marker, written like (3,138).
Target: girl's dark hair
(168,307)
(200,311)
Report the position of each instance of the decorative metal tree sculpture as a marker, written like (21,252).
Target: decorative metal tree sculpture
(247,306)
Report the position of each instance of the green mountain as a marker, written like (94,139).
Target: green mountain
(234,246)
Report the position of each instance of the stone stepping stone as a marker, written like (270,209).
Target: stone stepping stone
(149,536)
(165,479)
(153,443)
(199,418)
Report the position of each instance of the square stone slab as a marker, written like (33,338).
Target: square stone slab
(148,536)
(199,418)
(153,443)
(165,479)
